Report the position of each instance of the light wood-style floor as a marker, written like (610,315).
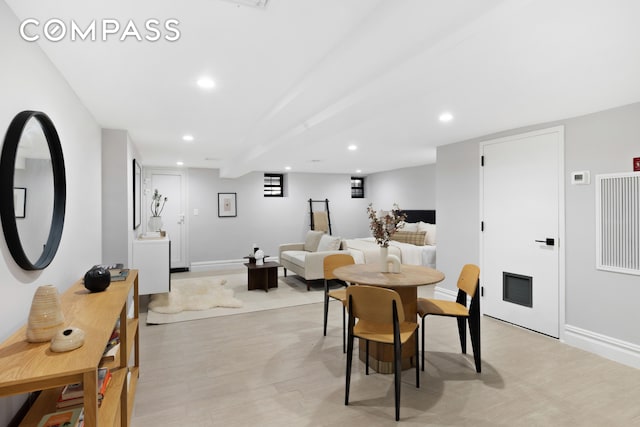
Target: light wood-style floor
(275,368)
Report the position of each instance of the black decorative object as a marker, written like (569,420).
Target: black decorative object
(7,208)
(97,279)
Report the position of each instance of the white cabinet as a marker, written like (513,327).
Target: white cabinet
(152,257)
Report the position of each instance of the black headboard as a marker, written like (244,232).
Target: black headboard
(420,215)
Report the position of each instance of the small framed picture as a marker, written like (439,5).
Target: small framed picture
(20,201)
(227,205)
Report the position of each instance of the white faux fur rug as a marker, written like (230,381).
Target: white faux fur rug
(291,291)
(199,293)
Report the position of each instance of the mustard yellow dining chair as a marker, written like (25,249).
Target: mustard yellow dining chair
(330,263)
(468,285)
(380,318)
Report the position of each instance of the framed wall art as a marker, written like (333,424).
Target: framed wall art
(137,194)
(227,205)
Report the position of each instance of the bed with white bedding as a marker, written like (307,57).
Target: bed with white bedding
(366,251)
(415,244)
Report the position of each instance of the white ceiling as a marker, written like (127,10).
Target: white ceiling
(300,80)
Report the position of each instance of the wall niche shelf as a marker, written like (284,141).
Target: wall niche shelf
(28,367)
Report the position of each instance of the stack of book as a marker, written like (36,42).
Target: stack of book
(111,349)
(64,418)
(117,272)
(73,394)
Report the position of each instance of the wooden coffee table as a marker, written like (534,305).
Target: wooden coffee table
(263,276)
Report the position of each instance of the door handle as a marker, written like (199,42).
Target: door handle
(548,241)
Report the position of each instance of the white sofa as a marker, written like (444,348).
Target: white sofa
(306,259)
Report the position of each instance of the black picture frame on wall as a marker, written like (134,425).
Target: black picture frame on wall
(227,205)
(137,194)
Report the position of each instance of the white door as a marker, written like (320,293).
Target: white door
(171,184)
(522,218)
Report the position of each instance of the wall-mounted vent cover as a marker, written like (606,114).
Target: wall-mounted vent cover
(618,222)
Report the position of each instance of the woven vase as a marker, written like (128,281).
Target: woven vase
(45,316)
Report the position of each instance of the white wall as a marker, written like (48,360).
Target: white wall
(270,221)
(118,153)
(600,302)
(601,313)
(114,196)
(267,221)
(34,227)
(410,188)
(28,81)
(457,211)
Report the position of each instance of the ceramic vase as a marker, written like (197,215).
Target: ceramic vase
(155,223)
(384,264)
(67,340)
(45,316)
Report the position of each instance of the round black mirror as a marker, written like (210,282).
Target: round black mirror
(14,198)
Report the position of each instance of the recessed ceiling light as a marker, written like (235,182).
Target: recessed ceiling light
(187,138)
(179,163)
(352,147)
(445,117)
(206,83)
(287,168)
(358,170)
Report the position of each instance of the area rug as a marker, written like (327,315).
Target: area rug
(194,294)
(231,297)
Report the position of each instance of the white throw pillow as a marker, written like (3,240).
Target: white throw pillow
(430,238)
(328,243)
(409,226)
(312,240)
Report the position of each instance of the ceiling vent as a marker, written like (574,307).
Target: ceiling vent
(260,4)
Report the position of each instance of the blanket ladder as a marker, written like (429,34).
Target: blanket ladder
(320,220)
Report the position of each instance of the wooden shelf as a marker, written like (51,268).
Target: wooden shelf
(133,384)
(132,325)
(108,412)
(43,405)
(30,367)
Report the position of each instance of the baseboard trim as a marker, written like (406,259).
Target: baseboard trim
(222,264)
(611,348)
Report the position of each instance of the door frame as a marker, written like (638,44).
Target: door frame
(147,172)
(561,214)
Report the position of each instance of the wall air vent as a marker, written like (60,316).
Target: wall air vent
(618,222)
(260,4)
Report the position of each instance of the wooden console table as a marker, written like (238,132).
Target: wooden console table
(28,367)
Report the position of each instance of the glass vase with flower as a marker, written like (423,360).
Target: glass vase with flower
(157,206)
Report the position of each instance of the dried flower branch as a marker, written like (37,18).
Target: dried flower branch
(384,225)
(157,203)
